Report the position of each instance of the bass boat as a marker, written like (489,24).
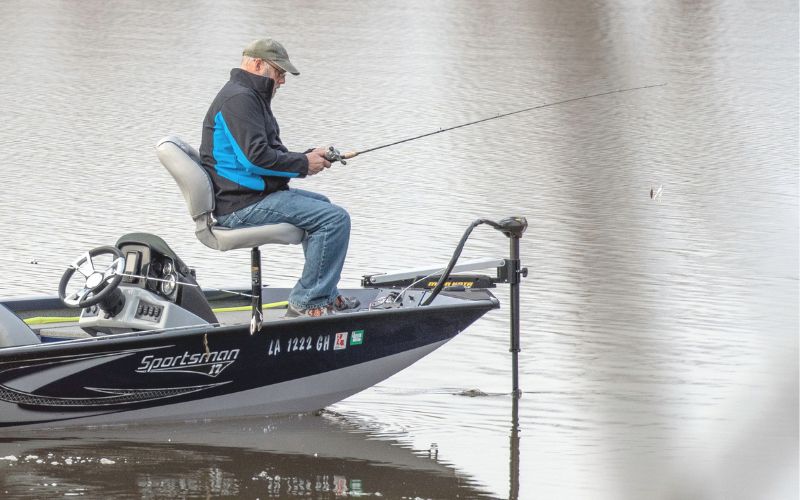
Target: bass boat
(132,337)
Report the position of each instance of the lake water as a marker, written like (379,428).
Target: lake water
(659,335)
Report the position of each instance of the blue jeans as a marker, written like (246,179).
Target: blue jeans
(325,246)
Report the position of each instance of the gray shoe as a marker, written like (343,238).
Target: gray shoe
(311,312)
(342,303)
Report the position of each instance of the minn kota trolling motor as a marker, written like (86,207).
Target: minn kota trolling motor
(509,270)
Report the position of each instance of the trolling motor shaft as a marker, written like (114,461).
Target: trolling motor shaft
(514,228)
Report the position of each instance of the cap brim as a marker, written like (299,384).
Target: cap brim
(287,66)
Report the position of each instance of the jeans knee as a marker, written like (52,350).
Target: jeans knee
(342,218)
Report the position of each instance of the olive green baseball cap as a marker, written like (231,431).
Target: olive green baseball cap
(270,50)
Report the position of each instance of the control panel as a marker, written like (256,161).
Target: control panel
(142,310)
(90,311)
(148,311)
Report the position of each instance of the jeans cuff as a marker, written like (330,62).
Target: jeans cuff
(310,306)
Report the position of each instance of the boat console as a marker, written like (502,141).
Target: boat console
(146,286)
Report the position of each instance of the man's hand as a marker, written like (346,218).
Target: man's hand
(316,161)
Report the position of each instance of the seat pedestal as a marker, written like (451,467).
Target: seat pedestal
(257,317)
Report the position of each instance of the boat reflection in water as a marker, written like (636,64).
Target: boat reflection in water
(307,456)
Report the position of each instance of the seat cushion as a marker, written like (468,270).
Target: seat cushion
(248,237)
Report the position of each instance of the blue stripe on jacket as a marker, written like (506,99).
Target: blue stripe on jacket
(232,163)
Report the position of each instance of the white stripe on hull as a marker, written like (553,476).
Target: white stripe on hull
(294,396)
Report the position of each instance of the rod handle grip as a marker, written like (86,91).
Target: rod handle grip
(351,154)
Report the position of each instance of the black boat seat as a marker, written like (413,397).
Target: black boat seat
(14,331)
(183,162)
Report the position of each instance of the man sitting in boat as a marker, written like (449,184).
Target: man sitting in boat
(251,168)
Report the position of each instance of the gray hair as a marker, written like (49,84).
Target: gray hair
(248,60)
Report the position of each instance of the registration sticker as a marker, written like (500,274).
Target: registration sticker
(357,337)
(340,342)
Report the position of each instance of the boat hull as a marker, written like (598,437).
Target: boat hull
(289,366)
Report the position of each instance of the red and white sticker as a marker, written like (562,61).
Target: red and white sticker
(340,342)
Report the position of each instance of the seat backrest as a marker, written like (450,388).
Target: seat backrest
(183,162)
(14,331)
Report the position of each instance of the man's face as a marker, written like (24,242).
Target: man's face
(274,72)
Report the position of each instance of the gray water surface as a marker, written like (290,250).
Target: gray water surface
(660,336)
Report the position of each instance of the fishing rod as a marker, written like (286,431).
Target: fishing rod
(333,155)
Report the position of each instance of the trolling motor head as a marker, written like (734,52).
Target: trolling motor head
(512,226)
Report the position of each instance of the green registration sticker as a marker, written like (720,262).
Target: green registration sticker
(357,337)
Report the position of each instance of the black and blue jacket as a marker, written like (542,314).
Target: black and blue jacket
(241,147)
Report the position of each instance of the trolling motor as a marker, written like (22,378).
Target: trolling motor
(508,271)
(512,273)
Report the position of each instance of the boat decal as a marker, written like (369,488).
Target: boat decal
(20,377)
(274,347)
(114,397)
(323,343)
(299,344)
(356,337)
(210,363)
(50,360)
(340,342)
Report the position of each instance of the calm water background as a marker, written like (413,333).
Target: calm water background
(660,336)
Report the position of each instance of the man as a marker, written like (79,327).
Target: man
(251,168)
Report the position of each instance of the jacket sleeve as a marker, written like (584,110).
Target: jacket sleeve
(243,121)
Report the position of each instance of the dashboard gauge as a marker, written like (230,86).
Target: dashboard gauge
(155,268)
(169,284)
(168,268)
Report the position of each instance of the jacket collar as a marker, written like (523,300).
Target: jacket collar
(261,84)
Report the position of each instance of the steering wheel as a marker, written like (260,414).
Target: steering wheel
(98,283)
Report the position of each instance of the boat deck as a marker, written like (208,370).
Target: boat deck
(60,323)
